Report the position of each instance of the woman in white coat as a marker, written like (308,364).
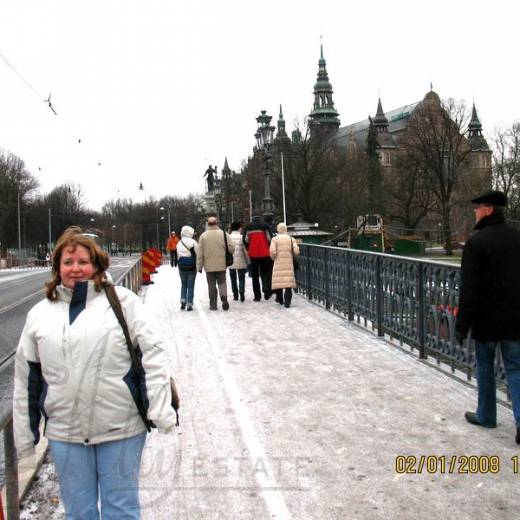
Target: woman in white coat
(187,262)
(73,369)
(240,263)
(282,249)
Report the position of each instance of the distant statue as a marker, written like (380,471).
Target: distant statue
(211,174)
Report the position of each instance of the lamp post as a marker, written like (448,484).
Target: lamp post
(169,219)
(113,248)
(264,138)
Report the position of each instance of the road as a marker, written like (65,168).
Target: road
(20,290)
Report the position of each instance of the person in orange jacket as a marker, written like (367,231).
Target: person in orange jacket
(172,248)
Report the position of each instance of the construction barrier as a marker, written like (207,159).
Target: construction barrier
(157,256)
(148,262)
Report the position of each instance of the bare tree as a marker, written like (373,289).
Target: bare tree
(16,186)
(410,199)
(437,146)
(313,178)
(506,165)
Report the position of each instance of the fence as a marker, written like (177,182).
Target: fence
(409,300)
(130,279)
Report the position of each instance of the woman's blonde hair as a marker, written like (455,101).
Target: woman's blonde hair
(73,237)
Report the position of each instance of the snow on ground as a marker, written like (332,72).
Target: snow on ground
(296,413)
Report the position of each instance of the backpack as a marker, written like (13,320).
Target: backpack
(187,263)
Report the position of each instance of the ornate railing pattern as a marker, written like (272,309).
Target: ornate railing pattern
(412,301)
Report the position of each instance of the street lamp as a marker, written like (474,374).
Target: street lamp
(264,138)
(169,219)
(113,248)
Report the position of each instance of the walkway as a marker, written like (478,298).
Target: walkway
(296,413)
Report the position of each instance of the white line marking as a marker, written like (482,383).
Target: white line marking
(19,302)
(269,488)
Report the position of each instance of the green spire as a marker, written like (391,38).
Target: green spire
(323,112)
(475,137)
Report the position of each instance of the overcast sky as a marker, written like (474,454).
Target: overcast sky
(158,90)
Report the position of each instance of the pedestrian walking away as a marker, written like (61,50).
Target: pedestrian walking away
(74,369)
(489,305)
(237,271)
(187,262)
(257,238)
(283,249)
(171,245)
(212,257)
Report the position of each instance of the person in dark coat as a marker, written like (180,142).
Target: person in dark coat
(489,304)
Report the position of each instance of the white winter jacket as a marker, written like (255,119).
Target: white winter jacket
(186,242)
(76,375)
(240,258)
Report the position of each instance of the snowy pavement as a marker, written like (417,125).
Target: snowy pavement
(297,414)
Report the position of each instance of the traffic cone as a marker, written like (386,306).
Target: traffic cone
(1,508)
(148,267)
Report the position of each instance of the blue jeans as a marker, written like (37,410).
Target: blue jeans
(241,287)
(187,285)
(108,471)
(485,357)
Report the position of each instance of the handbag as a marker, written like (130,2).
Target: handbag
(229,256)
(187,263)
(136,356)
(295,263)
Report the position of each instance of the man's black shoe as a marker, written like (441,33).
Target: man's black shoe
(183,306)
(267,294)
(242,296)
(517,438)
(471,417)
(225,304)
(257,299)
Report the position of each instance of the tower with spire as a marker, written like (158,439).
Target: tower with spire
(323,116)
(476,140)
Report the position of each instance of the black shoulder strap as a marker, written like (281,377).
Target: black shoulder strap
(225,241)
(118,311)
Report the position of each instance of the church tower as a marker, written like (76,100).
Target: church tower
(323,115)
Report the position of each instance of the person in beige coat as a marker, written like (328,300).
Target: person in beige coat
(211,256)
(281,250)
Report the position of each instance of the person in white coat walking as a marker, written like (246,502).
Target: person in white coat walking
(282,250)
(187,263)
(240,263)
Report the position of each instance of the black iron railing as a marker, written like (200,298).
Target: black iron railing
(409,300)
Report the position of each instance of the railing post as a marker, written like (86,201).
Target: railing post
(308,272)
(421,312)
(350,314)
(379,297)
(326,274)
(11,474)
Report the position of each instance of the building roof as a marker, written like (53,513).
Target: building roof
(357,132)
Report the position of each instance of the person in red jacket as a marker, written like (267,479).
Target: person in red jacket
(257,238)
(173,240)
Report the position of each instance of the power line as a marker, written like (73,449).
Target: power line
(12,67)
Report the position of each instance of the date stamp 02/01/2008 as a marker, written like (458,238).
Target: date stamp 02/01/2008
(454,464)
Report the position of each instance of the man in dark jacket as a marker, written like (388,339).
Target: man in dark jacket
(257,238)
(489,304)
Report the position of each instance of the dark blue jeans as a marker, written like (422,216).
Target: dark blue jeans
(187,285)
(487,401)
(241,287)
